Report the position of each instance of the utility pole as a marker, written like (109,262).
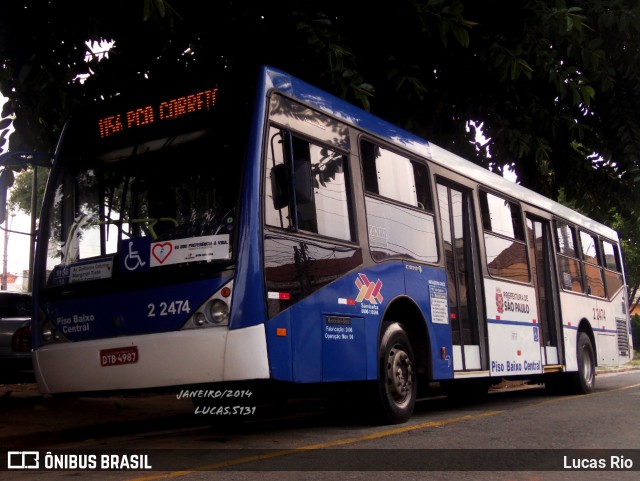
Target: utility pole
(32,239)
(6,247)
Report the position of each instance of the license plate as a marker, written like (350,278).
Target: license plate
(119,355)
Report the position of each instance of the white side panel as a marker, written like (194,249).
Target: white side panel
(514,350)
(167,359)
(513,330)
(472,357)
(575,308)
(607,349)
(570,343)
(457,358)
(552,355)
(600,314)
(246,353)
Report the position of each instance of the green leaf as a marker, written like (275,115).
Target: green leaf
(461,34)
(370,89)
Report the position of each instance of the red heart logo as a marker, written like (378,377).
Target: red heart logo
(162,251)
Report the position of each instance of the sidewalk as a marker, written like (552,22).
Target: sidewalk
(29,420)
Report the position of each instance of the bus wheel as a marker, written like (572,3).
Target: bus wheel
(397,388)
(584,380)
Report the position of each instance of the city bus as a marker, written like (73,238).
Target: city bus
(199,236)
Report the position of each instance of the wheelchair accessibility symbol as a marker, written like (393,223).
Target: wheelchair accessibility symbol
(132,260)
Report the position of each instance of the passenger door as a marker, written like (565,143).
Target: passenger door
(546,285)
(463,276)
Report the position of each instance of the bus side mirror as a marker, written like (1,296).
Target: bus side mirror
(304,182)
(279,188)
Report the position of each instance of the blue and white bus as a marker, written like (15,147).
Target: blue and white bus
(190,238)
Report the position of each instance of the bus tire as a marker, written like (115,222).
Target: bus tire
(397,387)
(585,378)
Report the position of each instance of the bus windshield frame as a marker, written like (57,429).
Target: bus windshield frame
(133,198)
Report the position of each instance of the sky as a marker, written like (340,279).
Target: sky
(18,245)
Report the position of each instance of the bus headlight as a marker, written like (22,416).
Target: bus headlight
(50,333)
(216,312)
(199,319)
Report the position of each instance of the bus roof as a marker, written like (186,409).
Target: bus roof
(349,113)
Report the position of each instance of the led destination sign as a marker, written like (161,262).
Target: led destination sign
(165,110)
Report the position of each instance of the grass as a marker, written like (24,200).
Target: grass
(636,360)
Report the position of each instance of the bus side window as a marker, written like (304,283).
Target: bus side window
(303,185)
(569,267)
(421,180)
(612,268)
(592,270)
(400,214)
(506,250)
(313,196)
(395,176)
(369,152)
(389,174)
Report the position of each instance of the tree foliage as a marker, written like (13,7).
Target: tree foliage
(553,84)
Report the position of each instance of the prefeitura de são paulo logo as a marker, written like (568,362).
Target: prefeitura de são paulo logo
(499,301)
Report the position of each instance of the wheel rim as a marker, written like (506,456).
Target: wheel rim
(587,367)
(399,376)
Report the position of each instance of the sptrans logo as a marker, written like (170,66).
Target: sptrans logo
(369,295)
(369,291)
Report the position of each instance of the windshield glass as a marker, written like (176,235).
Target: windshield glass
(155,206)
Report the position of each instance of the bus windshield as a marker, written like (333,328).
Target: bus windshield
(159,205)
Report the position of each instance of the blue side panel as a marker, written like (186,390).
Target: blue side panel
(145,311)
(427,286)
(279,347)
(306,339)
(343,348)
(248,305)
(332,335)
(334,332)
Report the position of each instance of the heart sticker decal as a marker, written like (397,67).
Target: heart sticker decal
(162,251)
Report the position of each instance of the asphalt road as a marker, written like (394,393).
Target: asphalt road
(519,435)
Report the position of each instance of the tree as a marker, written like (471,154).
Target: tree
(554,86)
